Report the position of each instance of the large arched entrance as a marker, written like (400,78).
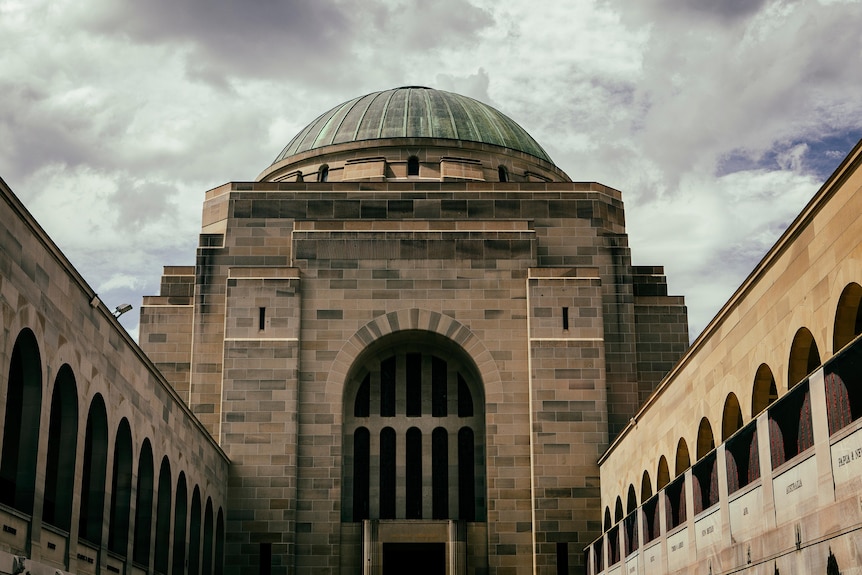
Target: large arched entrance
(414,453)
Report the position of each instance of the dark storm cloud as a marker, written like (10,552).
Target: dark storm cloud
(726,10)
(35,135)
(252,38)
(426,25)
(316,41)
(40,129)
(697,12)
(137,204)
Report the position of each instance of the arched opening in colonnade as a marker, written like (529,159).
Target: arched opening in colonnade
(194,562)
(646,487)
(764,391)
(683,461)
(144,506)
(705,439)
(207,562)
(180,519)
(804,357)
(21,425)
(62,450)
(631,499)
(662,477)
(848,317)
(731,419)
(94,473)
(163,518)
(219,544)
(121,491)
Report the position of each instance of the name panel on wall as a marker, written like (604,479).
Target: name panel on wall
(707,529)
(632,564)
(746,514)
(794,490)
(678,550)
(847,458)
(652,558)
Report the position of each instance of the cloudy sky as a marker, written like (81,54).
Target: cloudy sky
(718,119)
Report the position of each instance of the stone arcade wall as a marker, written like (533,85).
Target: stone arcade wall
(793,512)
(796,312)
(80,488)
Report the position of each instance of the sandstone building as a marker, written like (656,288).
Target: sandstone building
(410,344)
(412,336)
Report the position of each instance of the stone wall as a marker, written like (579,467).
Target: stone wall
(90,394)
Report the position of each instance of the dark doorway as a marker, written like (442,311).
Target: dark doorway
(414,558)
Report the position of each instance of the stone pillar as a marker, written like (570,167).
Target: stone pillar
(259,405)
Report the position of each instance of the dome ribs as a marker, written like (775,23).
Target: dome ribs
(413,112)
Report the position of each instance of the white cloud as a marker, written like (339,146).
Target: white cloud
(119,281)
(711,118)
(117,230)
(711,234)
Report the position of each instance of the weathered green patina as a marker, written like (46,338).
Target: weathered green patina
(413,112)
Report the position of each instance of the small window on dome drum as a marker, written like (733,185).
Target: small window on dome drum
(413,166)
(503,174)
(323,174)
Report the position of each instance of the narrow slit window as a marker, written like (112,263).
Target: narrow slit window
(503,174)
(362,407)
(388,473)
(466,475)
(565,318)
(261,318)
(465,399)
(563,558)
(387,387)
(361,473)
(439,474)
(413,166)
(323,174)
(414,385)
(413,474)
(438,387)
(265,559)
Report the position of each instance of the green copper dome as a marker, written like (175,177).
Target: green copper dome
(413,112)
